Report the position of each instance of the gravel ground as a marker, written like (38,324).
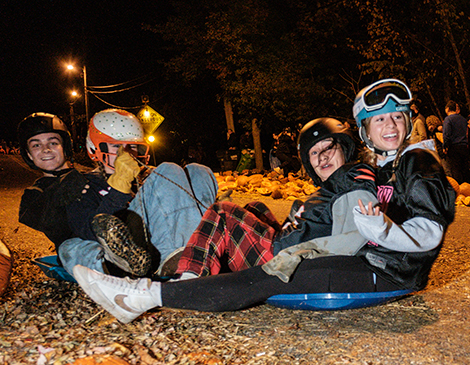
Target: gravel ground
(45,321)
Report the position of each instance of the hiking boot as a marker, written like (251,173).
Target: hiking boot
(124,298)
(118,245)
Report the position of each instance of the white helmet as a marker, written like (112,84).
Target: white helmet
(117,127)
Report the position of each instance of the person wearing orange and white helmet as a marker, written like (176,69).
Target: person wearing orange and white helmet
(161,214)
(108,130)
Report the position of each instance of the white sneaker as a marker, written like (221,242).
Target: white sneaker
(124,298)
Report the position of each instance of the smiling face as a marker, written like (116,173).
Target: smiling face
(46,152)
(387,131)
(326,157)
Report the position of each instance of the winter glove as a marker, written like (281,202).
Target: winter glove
(70,187)
(126,170)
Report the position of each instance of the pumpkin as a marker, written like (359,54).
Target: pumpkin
(465,189)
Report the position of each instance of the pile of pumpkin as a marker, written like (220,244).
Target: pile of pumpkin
(275,185)
(292,187)
(462,190)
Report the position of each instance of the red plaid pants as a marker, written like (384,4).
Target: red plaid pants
(230,235)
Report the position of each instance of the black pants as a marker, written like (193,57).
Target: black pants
(457,157)
(233,291)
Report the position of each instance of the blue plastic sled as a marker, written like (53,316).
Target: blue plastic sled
(50,267)
(334,301)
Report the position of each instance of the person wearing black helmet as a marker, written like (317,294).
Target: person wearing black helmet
(46,145)
(249,242)
(251,235)
(64,204)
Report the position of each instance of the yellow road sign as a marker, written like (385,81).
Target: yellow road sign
(150,119)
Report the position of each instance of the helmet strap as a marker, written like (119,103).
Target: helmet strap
(383,153)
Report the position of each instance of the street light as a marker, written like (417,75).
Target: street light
(152,141)
(75,96)
(85,89)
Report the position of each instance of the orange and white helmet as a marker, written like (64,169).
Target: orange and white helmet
(115,126)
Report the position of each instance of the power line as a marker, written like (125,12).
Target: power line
(120,90)
(122,83)
(115,106)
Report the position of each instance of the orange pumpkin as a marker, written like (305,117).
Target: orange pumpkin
(465,189)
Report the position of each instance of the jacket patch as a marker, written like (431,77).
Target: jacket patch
(376,261)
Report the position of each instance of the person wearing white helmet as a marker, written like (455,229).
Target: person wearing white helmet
(416,199)
(120,219)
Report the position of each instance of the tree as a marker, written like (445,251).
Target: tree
(273,60)
(417,41)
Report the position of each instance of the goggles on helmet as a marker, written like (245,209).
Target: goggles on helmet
(376,97)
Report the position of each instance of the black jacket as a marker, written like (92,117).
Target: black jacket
(63,207)
(316,219)
(420,189)
(43,206)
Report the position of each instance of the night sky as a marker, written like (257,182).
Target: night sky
(106,36)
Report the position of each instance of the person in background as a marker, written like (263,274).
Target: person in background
(434,125)
(456,142)
(232,143)
(419,132)
(287,154)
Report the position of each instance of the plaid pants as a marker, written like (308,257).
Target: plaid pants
(230,235)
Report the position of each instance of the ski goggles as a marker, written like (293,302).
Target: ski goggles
(378,94)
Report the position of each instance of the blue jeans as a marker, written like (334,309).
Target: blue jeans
(169,211)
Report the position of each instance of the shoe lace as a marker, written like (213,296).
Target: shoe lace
(128,283)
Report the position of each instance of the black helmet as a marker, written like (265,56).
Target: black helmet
(38,123)
(318,130)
